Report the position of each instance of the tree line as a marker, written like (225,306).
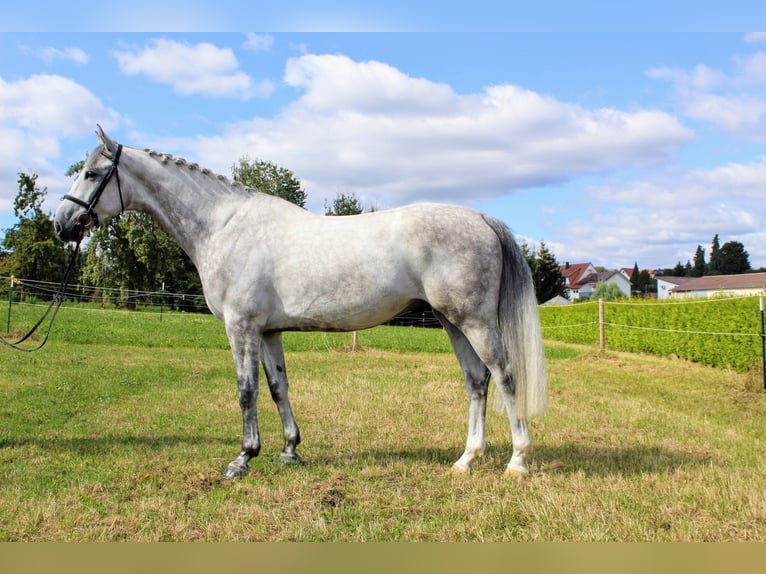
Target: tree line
(731,258)
(132,253)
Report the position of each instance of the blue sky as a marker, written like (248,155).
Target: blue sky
(615,136)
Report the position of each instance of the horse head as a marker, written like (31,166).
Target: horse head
(96,193)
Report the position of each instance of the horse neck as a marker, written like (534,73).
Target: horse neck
(186,201)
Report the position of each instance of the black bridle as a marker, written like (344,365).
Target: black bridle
(89,219)
(84,222)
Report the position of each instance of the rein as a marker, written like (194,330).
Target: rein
(58,299)
(84,221)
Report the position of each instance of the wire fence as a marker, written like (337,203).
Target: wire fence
(723,331)
(30,292)
(17,290)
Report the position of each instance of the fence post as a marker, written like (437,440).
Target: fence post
(10,305)
(355,341)
(601,329)
(763,345)
(162,299)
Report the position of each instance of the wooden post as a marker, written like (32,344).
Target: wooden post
(10,305)
(162,300)
(763,345)
(601,329)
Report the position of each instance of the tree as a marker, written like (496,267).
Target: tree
(698,270)
(29,201)
(645,282)
(641,281)
(634,279)
(344,204)
(714,267)
(679,270)
(549,282)
(733,259)
(608,292)
(529,255)
(35,251)
(133,253)
(546,272)
(269,178)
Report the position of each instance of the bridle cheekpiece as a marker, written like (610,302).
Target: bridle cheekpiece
(89,219)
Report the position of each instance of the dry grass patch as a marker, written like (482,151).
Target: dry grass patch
(129,443)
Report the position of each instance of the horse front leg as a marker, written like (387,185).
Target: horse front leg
(276,374)
(245,346)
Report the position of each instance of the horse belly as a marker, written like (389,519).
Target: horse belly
(363,297)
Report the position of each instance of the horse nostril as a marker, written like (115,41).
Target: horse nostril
(57,228)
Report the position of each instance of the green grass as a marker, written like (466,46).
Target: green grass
(120,428)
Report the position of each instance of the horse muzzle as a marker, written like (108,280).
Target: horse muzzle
(76,231)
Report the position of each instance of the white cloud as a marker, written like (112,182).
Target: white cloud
(75,55)
(754,37)
(732,102)
(201,68)
(50,55)
(258,42)
(36,113)
(367,127)
(660,221)
(51,104)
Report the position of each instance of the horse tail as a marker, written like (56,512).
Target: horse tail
(520,327)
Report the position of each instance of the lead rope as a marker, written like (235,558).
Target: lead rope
(58,299)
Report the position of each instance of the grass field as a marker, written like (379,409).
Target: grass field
(121,427)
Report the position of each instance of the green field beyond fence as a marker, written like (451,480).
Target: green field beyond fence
(721,332)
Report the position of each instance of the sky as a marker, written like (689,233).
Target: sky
(615,136)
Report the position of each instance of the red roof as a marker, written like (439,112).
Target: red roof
(574,273)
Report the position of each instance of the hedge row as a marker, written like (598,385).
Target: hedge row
(722,332)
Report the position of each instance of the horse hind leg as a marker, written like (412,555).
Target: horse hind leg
(488,346)
(476,376)
(276,375)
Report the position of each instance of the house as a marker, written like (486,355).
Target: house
(665,285)
(581,280)
(744,285)
(574,275)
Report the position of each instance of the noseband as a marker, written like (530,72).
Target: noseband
(89,218)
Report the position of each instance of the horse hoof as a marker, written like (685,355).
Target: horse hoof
(236,470)
(458,470)
(290,458)
(518,473)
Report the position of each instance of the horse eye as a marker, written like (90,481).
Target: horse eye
(90,174)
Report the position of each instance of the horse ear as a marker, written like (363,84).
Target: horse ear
(109,145)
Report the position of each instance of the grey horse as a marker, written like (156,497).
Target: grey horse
(268,266)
